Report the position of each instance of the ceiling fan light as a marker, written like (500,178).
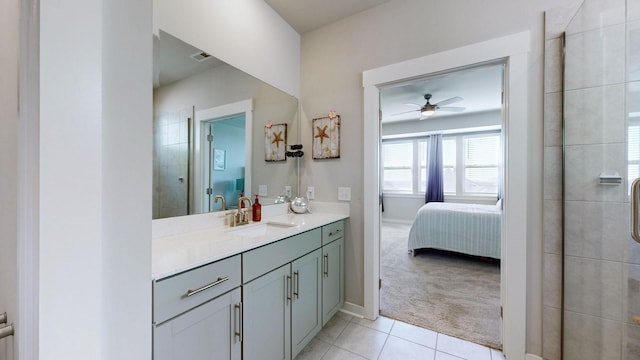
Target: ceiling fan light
(427,112)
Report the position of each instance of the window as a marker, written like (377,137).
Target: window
(398,166)
(481,157)
(470,164)
(449,164)
(405,166)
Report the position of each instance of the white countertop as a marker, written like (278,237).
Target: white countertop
(176,253)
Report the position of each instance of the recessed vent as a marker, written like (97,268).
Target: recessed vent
(200,56)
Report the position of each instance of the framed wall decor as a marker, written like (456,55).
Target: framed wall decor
(219,159)
(326,137)
(275,142)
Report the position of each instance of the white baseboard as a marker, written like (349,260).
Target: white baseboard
(532,357)
(353,309)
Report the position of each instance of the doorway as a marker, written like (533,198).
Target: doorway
(225,164)
(514,51)
(449,282)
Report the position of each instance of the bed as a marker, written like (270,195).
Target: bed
(471,229)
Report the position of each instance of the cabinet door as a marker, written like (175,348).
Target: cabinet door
(267,316)
(332,279)
(306,316)
(204,333)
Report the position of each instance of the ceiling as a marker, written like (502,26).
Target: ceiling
(307,15)
(173,60)
(479,87)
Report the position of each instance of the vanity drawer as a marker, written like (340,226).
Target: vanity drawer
(181,292)
(264,259)
(332,232)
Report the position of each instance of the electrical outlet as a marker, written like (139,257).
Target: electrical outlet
(262,190)
(344,193)
(287,190)
(311,192)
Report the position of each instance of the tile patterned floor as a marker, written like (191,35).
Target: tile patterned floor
(346,337)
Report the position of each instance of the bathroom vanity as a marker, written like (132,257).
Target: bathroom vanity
(258,291)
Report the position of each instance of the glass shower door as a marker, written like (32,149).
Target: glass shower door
(601,262)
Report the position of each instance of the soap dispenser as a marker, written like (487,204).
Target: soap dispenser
(257,210)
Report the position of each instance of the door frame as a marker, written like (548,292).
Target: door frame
(202,117)
(514,50)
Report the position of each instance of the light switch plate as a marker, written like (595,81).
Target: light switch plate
(344,193)
(311,192)
(287,190)
(262,190)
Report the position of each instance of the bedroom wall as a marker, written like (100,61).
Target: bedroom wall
(332,61)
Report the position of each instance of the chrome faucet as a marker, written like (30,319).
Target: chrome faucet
(224,204)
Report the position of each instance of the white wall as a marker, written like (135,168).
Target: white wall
(333,59)
(9,16)
(262,44)
(95,176)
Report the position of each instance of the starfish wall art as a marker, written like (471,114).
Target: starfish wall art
(326,137)
(275,142)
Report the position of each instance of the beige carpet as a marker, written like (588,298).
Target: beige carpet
(449,293)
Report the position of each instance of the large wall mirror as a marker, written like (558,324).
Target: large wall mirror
(209,131)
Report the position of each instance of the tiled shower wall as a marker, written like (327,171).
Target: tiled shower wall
(170,163)
(601,261)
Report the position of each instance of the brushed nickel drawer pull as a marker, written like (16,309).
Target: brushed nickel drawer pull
(288,283)
(336,233)
(296,287)
(239,319)
(6,331)
(217,282)
(326,265)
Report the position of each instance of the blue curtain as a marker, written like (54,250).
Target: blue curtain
(435,180)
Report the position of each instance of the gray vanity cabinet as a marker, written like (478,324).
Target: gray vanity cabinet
(267,316)
(266,303)
(332,279)
(197,314)
(306,310)
(282,308)
(210,331)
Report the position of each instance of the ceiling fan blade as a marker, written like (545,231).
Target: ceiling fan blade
(451,108)
(449,101)
(413,104)
(404,112)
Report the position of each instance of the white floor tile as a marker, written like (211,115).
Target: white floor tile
(462,348)
(358,339)
(315,350)
(396,348)
(415,334)
(333,329)
(444,356)
(361,340)
(381,323)
(336,353)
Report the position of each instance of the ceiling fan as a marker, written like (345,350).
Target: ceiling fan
(429,109)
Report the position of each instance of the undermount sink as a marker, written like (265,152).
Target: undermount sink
(255,230)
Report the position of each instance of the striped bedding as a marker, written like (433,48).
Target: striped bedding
(465,228)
